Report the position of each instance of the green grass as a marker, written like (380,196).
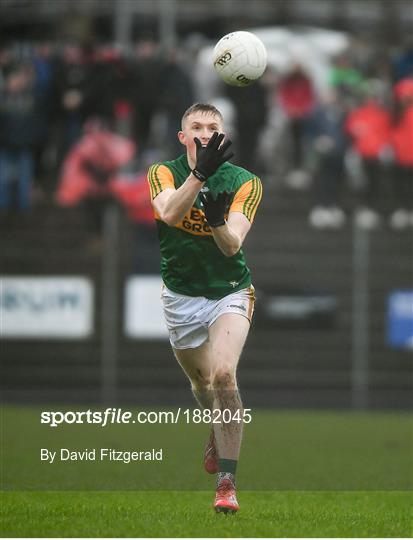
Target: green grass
(189,514)
(301,474)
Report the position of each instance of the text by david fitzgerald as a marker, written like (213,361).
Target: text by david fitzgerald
(100,454)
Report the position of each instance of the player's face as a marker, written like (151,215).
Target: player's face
(201,125)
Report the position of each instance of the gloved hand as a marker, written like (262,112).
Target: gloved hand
(215,209)
(210,157)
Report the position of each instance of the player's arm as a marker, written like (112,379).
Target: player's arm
(230,234)
(172,204)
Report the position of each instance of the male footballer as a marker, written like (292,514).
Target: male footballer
(204,207)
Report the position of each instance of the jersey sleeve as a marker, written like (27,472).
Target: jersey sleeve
(247,199)
(160,177)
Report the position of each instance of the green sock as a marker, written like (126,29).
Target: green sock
(228,466)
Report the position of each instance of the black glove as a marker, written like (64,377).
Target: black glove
(215,209)
(210,157)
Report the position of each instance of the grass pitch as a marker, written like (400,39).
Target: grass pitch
(301,474)
(189,514)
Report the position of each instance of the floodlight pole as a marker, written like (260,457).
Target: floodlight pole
(123,19)
(167,23)
(360,319)
(123,22)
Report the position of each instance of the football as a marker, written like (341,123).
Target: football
(240,58)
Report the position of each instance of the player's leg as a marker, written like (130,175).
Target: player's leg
(189,340)
(196,364)
(227,337)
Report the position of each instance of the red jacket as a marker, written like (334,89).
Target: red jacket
(402,139)
(134,193)
(296,95)
(369,128)
(102,149)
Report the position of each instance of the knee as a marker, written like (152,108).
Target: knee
(201,381)
(224,379)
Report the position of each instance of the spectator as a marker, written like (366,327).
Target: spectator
(344,77)
(20,121)
(330,144)
(110,72)
(296,97)
(89,170)
(401,138)
(43,62)
(176,96)
(76,94)
(7,58)
(144,89)
(115,106)
(251,106)
(368,125)
(403,62)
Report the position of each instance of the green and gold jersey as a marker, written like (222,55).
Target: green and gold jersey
(192,263)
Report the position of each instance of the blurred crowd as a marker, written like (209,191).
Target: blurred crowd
(79,125)
(358,135)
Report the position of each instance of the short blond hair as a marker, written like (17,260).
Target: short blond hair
(202,107)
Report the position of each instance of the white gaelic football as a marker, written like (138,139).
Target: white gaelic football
(240,58)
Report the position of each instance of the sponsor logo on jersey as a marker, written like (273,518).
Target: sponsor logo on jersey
(194,223)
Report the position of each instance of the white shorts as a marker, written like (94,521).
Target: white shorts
(188,318)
